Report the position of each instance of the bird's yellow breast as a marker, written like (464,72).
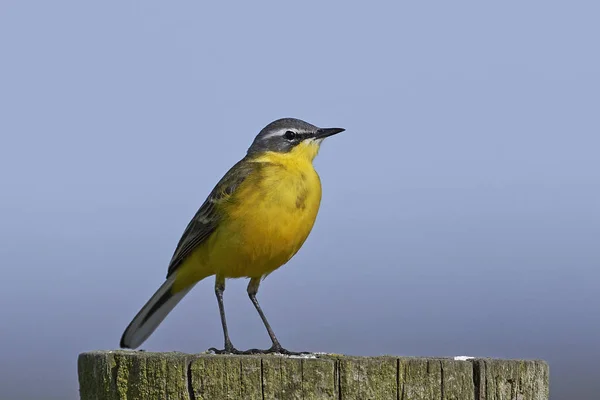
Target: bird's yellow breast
(270,215)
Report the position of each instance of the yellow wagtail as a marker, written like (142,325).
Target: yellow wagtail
(254,221)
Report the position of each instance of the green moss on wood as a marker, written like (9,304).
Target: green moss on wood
(420,379)
(130,375)
(513,379)
(368,378)
(319,379)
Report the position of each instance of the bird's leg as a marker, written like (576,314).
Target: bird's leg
(276,347)
(219,289)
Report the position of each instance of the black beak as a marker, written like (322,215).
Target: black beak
(325,132)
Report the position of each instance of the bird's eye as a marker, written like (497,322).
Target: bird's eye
(290,135)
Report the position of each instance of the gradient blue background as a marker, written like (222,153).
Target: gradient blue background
(460,212)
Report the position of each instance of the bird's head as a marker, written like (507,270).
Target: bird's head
(291,136)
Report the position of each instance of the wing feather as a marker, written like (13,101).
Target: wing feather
(207,218)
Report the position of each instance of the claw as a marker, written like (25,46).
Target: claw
(271,350)
(226,350)
(275,349)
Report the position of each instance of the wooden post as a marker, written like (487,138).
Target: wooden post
(112,375)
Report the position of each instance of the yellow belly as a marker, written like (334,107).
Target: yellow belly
(265,222)
(272,217)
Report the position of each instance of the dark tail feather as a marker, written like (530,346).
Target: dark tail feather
(152,314)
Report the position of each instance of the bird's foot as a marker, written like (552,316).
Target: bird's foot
(275,349)
(229,349)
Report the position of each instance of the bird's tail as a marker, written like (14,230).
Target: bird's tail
(152,314)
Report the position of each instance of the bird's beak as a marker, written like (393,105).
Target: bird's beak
(322,133)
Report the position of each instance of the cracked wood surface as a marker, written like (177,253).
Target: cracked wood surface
(112,375)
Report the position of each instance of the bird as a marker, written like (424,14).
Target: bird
(254,221)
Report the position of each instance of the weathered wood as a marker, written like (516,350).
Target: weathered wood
(504,379)
(112,375)
(368,378)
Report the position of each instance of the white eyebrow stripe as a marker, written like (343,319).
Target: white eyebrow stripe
(280,132)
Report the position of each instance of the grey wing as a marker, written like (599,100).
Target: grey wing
(208,217)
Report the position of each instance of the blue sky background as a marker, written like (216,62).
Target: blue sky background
(460,212)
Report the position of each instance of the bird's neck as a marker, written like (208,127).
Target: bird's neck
(303,152)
